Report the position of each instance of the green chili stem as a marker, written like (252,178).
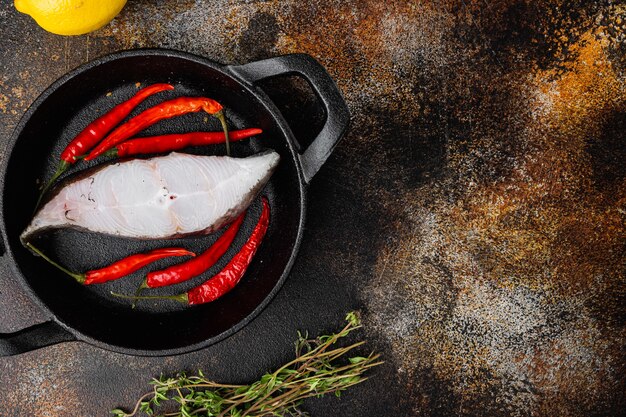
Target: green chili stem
(181,298)
(222,119)
(63,166)
(78,277)
(110,153)
(144,284)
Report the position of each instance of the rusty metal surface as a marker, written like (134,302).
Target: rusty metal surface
(475,213)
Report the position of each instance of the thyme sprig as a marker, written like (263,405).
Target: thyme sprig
(317,370)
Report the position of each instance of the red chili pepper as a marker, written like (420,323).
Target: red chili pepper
(131,264)
(228,277)
(196,266)
(165,110)
(173,142)
(97,129)
(119,268)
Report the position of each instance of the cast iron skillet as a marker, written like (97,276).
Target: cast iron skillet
(88,313)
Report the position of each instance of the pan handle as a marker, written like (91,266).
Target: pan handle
(337,115)
(34,337)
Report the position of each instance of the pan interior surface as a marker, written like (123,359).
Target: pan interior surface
(154,326)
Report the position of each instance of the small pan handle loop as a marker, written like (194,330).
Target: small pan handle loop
(34,337)
(337,114)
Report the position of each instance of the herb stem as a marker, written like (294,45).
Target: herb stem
(318,369)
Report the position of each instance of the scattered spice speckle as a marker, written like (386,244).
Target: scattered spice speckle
(4,101)
(506,284)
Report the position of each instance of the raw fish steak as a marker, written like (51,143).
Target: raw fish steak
(162,197)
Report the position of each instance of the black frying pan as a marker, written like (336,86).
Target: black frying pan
(155,328)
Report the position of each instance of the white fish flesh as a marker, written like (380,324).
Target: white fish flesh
(162,197)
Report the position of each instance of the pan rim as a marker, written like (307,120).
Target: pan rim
(257,93)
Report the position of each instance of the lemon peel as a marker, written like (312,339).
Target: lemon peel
(70,17)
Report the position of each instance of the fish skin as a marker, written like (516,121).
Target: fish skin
(162,197)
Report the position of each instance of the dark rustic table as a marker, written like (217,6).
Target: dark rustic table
(474,214)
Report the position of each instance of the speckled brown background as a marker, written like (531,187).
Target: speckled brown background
(475,213)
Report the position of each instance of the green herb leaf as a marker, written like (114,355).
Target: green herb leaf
(318,369)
